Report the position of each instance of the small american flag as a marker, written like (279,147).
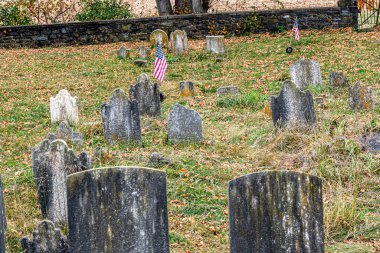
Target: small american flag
(160,65)
(296,30)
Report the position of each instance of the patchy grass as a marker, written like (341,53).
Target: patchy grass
(239,136)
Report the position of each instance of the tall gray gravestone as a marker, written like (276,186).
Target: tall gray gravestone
(52,161)
(184,125)
(3,223)
(121,119)
(66,133)
(276,211)
(46,239)
(179,43)
(305,72)
(64,107)
(147,95)
(120,209)
(292,108)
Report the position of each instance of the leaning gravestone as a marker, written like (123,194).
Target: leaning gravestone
(120,209)
(187,89)
(360,97)
(184,125)
(121,118)
(178,41)
(46,239)
(292,108)
(3,223)
(276,211)
(64,107)
(123,53)
(66,133)
(338,80)
(147,95)
(228,90)
(215,44)
(159,36)
(305,72)
(52,162)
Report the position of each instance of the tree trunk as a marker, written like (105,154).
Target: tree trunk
(188,6)
(164,7)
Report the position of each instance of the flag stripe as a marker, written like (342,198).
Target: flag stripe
(296,30)
(160,66)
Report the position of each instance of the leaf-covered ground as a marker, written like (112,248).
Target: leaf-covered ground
(239,137)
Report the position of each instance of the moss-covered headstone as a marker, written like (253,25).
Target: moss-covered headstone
(360,97)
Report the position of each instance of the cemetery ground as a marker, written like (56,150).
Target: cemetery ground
(239,137)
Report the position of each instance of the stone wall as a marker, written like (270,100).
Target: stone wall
(196,26)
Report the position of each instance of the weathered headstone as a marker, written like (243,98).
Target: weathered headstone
(371,141)
(52,161)
(228,90)
(187,89)
(338,79)
(292,108)
(276,211)
(46,239)
(179,44)
(123,53)
(140,62)
(156,159)
(121,118)
(142,52)
(66,133)
(159,36)
(360,97)
(64,107)
(147,95)
(215,44)
(120,209)
(184,125)
(3,223)
(305,72)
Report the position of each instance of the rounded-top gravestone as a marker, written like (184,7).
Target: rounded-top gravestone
(159,36)
(178,41)
(64,107)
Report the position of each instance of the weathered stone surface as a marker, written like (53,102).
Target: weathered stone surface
(228,90)
(156,159)
(215,44)
(121,118)
(123,53)
(159,36)
(187,89)
(276,211)
(360,97)
(52,161)
(147,95)
(64,107)
(121,209)
(46,239)
(305,72)
(184,125)
(179,44)
(292,108)
(3,223)
(140,62)
(338,79)
(371,142)
(66,133)
(142,52)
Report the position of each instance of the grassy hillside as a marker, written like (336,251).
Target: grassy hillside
(239,136)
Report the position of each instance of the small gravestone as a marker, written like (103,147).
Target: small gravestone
(159,36)
(178,40)
(3,223)
(228,90)
(52,161)
(46,239)
(292,108)
(123,53)
(120,209)
(140,62)
(338,80)
(156,159)
(360,97)
(64,107)
(371,142)
(121,119)
(142,52)
(215,44)
(66,133)
(305,72)
(184,125)
(276,211)
(187,89)
(147,95)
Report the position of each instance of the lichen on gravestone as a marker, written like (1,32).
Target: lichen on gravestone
(159,36)
(179,43)
(338,80)
(305,72)
(66,133)
(64,107)
(3,223)
(121,119)
(215,44)
(187,89)
(360,97)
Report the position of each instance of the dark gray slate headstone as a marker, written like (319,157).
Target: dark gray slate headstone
(66,133)
(121,118)
(52,162)
(276,211)
(228,90)
(120,209)
(371,142)
(338,80)
(305,72)
(46,239)
(184,125)
(147,95)
(3,223)
(360,97)
(292,108)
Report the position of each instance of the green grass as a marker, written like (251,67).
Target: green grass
(239,137)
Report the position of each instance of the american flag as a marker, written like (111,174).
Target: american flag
(296,30)
(160,65)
